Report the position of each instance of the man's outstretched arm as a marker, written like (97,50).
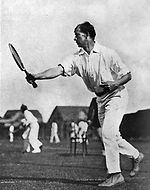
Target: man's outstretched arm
(50,73)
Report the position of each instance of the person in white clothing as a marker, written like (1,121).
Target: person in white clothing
(12,123)
(34,129)
(104,74)
(11,133)
(74,130)
(83,127)
(54,133)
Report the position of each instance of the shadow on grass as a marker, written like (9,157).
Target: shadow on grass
(48,180)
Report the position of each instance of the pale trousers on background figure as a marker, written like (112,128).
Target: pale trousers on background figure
(11,137)
(25,137)
(114,111)
(54,133)
(11,133)
(54,136)
(33,136)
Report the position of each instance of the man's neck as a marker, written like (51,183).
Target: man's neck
(88,48)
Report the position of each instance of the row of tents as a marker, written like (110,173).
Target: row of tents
(63,115)
(134,125)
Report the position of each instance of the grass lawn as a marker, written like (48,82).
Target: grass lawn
(56,169)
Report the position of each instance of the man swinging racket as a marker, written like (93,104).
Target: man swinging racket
(104,74)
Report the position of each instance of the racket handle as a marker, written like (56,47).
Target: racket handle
(34,84)
(30,79)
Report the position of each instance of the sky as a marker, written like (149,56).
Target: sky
(42,33)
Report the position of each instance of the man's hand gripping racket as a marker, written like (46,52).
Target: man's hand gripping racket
(29,77)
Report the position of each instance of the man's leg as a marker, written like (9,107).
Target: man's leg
(57,140)
(33,139)
(118,106)
(51,139)
(126,148)
(110,130)
(26,145)
(114,144)
(99,130)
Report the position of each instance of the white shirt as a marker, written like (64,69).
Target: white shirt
(103,64)
(83,126)
(30,118)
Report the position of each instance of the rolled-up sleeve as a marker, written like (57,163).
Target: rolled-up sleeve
(117,66)
(68,66)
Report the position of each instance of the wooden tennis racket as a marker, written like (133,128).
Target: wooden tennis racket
(30,79)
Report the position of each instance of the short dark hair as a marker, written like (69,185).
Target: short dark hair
(87,28)
(23,108)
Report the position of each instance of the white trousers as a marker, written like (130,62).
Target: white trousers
(114,144)
(54,136)
(26,143)
(11,137)
(33,136)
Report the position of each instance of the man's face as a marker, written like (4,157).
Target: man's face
(80,38)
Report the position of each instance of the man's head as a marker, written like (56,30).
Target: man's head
(23,108)
(83,33)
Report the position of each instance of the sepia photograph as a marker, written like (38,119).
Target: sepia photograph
(74,95)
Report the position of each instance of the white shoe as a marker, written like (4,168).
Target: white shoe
(136,165)
(113,180)
(36,151)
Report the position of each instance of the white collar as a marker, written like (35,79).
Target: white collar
(96,49)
